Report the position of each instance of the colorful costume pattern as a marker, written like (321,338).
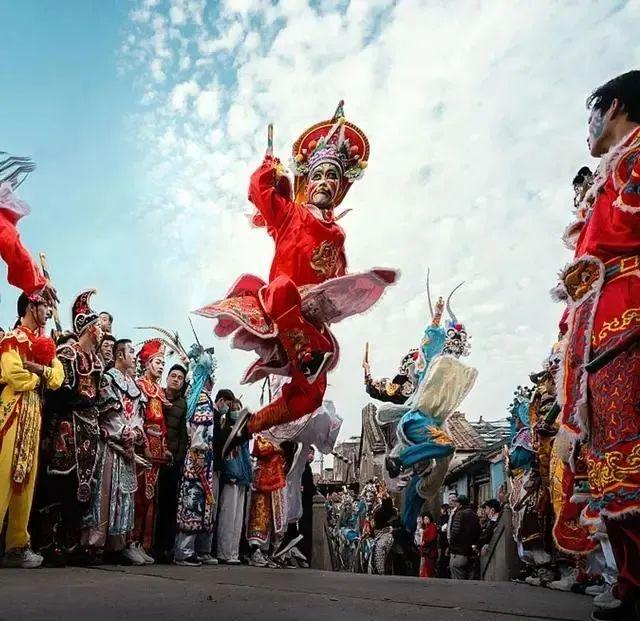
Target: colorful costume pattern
(20,416)
(599,401)
(442,384)
(268,505)
(156,442)
(111,518)
(198,493)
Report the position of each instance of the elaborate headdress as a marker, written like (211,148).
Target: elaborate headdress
(336,141)
(456,338)
(519,407)
(82,315)
(151,349)
(202,366)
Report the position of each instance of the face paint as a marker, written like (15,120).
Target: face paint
(596,127)
(322,186)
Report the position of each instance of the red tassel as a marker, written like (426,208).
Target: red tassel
(43,350)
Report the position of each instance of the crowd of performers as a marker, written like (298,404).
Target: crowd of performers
(112,453)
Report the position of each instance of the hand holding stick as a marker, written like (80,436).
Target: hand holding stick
(270,140)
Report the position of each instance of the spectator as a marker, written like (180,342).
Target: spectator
(464,530)
(492,510)
(428,547)
(443,542)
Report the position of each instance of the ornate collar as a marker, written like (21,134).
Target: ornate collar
(124,383)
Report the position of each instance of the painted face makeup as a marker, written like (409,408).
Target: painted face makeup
(322,186)
(596,128)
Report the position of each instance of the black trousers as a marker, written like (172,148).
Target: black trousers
(165,532)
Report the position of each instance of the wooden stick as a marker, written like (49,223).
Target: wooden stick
(270,140)
(45,270)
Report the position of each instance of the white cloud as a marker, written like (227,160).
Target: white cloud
(208,104)
(477,124)
(182,93)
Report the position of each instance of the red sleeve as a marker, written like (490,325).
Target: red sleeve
(273,208)
(430,533)
(22,270)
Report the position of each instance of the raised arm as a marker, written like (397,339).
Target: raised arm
(22,272)
(273,207)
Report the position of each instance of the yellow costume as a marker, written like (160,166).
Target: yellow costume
(20,419)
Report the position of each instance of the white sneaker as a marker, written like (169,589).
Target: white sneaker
(288,547)
(257,559)
(596,589)
(22,559)
(565,583)
(299,558)
(207,559)
(607,600)
(148,560)
(533,580)
(233,561)
(131,554)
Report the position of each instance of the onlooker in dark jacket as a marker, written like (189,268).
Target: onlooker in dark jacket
(169,477)
(463,535)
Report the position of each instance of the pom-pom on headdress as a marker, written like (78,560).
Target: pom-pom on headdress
(336,141)
(151,349)
(82,315)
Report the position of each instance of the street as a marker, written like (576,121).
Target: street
(223,592)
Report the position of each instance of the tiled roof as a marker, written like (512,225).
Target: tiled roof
(371,430)
(463,434)
(495,432)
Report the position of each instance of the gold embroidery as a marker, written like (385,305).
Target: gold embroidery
(324,259)
(439,436)
(614,468)
(630,317)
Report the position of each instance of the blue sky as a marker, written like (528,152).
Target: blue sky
(146,118)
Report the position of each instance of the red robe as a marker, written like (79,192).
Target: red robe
(156,439)
(601,407)
(308,268)
(308,250)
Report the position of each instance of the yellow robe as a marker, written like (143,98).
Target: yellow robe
(20,420)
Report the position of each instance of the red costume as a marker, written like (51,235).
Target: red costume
(286,321)
(22,270)
(429,551)
(601,367)
(268,509)
(156,442)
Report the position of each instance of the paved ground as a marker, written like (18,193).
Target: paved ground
(229,593)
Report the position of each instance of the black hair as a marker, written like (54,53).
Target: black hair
(625,88)
(65,337)
(178,367)
(119,345)
(110,337)
(584,172)
(23,304)
(428,515)
(493,504)
(225,394)
(463,501)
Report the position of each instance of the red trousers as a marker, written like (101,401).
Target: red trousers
(145,511)
(281,301)
(624,535)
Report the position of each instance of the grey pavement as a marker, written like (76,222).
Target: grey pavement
(223,592)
